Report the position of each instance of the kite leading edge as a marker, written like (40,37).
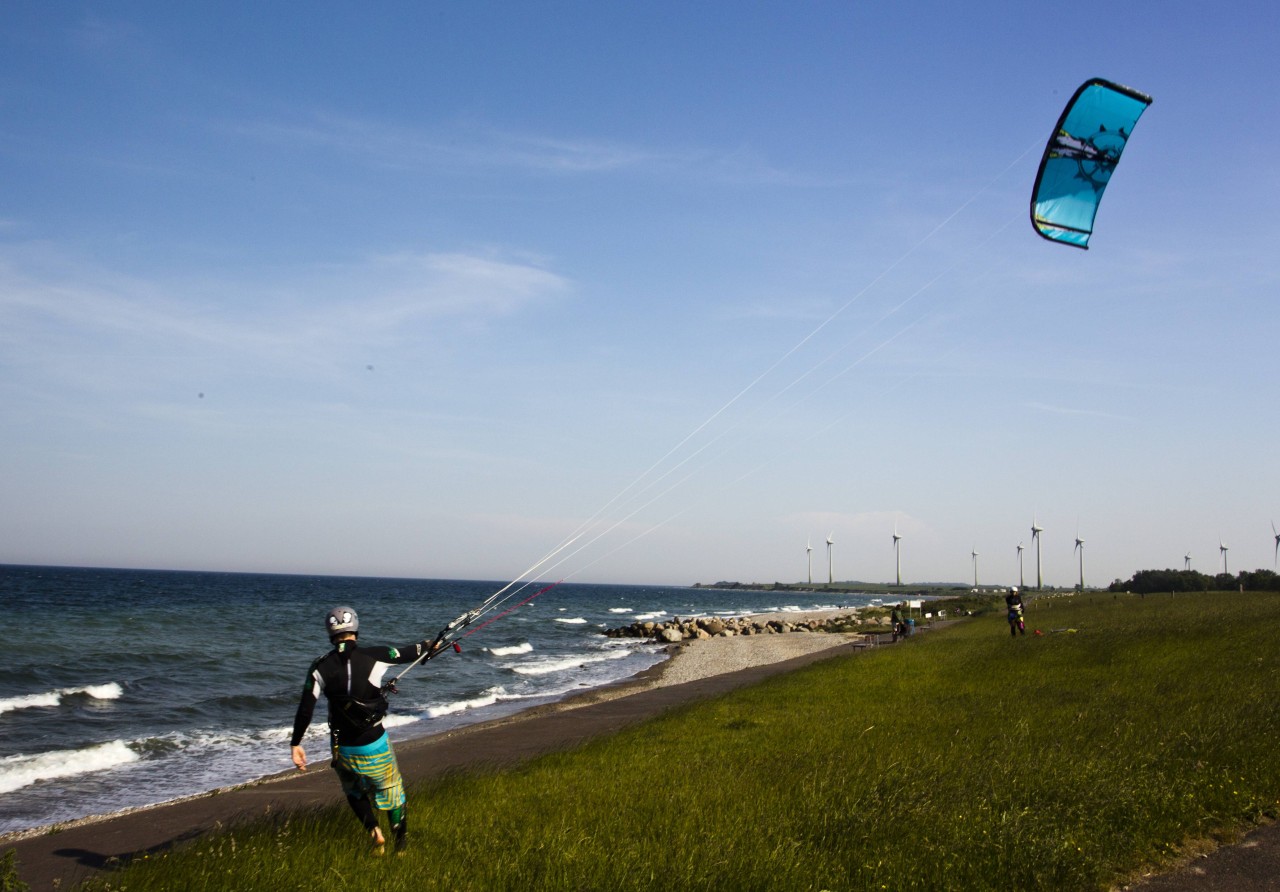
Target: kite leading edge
(1078,161)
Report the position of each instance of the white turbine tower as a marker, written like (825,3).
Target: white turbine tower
(1222,547)
(1021,584)
(831,576)
(1276,559)
(1186,561)
(1080,548)
(1036,530)
(975,568)
(897,551)
(808,548)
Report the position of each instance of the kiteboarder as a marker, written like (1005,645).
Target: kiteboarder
(1013,601)
(898,625)
(350,678)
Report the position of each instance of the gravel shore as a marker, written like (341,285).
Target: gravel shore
(697,659)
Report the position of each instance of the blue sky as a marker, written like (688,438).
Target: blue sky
(426,289)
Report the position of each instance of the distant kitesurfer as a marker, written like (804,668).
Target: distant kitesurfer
(350,678)
(898,624)
(1013,601)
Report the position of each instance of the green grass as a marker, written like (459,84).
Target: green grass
(960,759)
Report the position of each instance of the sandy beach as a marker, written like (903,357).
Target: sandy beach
(696,670)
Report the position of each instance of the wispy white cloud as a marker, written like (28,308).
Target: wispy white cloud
(782,308)
(1067,410)
(461,145)
(453,284)
(105,36)
(382,291)
(86,326)
(464,145)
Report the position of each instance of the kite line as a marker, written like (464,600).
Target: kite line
(628,498)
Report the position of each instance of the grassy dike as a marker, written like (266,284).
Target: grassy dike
(960,759)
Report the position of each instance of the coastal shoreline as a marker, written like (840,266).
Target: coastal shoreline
(687,661)
(60,857)
(72,851)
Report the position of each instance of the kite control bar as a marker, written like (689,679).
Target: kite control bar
(451,632)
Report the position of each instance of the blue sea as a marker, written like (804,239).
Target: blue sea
(126,688)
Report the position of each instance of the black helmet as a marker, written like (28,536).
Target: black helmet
(340,620)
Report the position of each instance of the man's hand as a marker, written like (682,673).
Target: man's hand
(299,757)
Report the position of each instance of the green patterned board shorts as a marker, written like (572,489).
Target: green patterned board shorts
(370,769)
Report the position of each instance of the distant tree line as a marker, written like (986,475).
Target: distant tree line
(1145,581)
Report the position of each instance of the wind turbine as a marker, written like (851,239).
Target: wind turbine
(1021,584)
(1276,559)
(897,551)
(975,568)
(1080,548)
(1222,547)
(1186,561)
(831,577)
(808,550)
(1036,530)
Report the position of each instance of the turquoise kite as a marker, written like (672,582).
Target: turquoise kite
(1080,157)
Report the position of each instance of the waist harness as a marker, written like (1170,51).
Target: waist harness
(356,713)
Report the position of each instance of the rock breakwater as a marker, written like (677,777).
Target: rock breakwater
(677,629)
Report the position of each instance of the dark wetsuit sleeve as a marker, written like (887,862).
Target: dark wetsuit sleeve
(415,650)
(406,654)
(306,704)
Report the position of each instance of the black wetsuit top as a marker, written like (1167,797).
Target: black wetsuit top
(350,677)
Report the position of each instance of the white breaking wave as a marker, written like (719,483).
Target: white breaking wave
(109,691)
(17,772)
(488,698)
(394,720)
(576,621)
(620,610)
(648,616)
(512,651)
(547,667)
(28,701)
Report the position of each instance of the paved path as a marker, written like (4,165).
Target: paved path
(1251,865)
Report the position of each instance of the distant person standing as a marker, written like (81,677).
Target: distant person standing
(350,678)
(1013,601)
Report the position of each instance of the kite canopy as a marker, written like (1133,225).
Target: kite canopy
(1077,164)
